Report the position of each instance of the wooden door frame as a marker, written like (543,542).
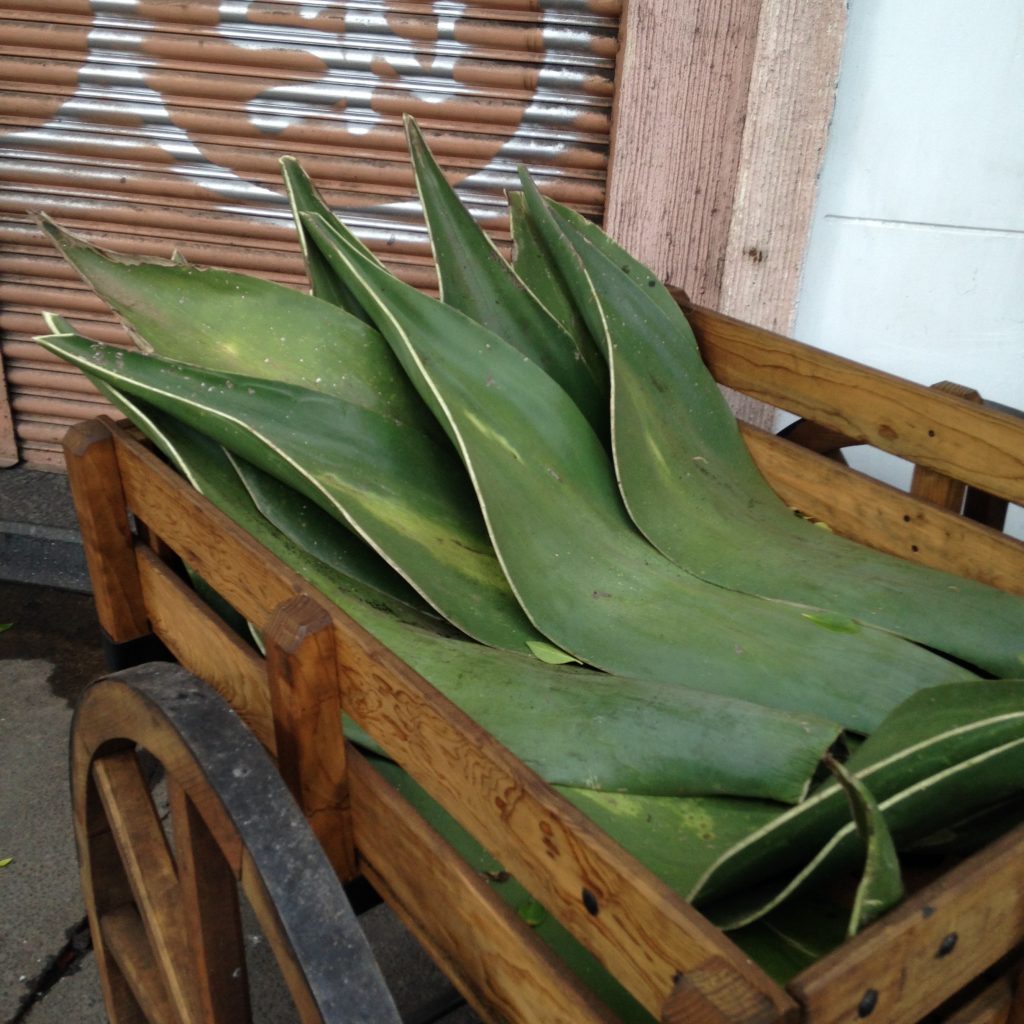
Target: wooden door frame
(721,115)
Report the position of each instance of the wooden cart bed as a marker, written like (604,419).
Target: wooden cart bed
(136,516)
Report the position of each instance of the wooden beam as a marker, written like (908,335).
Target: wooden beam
(677,135)
(721,116)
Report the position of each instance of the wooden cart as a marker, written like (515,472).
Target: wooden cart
(136,515)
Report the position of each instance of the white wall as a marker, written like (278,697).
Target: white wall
(916,258)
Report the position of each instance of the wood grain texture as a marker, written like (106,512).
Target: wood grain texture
(982,447)
(212,916)
(643,933)
(681,99)
(125,938)
(105,888)
(884,517)
(197,637)
(789,108)
(990,1006)
(147,862)
(909,959)
(106,533)
(480,943)
(929,485)
(304,692)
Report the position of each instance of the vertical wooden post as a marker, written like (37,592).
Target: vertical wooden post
(931,485)
(213,920)
(721,115)
(304,693)
(106,533)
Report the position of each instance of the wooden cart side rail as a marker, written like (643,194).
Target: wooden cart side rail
(465,927)
(635,925)
(885,517)
(928,948)
(979,445)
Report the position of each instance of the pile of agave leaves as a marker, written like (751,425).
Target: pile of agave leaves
(533,492)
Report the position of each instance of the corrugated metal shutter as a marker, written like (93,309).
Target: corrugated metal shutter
(148,125)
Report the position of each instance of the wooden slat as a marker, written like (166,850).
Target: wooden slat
(106,533)
(873,513)
(304,692)
(982,447)
(125,938)
(491,956)
(926,949)
(990,1006)
(209,901)
(105,888)
(150,869)
(642,931)
(939,489)
(204,645)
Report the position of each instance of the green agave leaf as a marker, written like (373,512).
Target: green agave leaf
(304,198)
(943,755)
(535,267)
(881,884)
(608,247)
(307,525)
(475,279)
(403,494)
(795,935)
(335,245)
(240,324)
(587,579)
(148,421)
(690,485)
(626,734)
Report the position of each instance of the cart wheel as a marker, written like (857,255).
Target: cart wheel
(165,914)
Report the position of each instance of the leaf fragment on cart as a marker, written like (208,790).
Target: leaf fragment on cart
(943,755)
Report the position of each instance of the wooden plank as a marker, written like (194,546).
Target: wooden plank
(106,533)
(210,906)
(789,108)
(126,939)
(884,517)
(150,869)
(990,1006)
(494,960)
(204,644)
(939,489)
(681,97)
(642,931)
(303,676)
(105,888)
(982,447)
(928,948)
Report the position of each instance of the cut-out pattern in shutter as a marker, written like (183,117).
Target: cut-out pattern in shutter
(149,125)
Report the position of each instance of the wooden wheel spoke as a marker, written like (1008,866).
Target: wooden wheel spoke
(147,861)
(125,937)
(209,900)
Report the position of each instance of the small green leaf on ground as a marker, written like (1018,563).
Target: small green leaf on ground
(4,626)
(5,861)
